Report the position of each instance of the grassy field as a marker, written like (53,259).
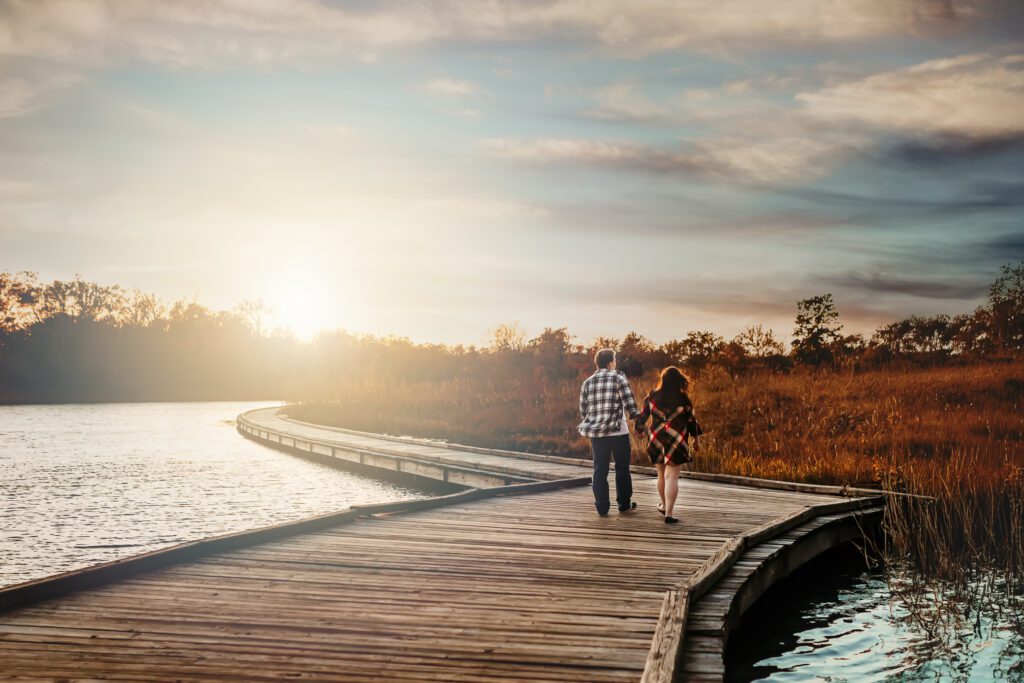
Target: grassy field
(952,432)
(817,426)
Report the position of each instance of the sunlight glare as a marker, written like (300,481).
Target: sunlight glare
(300,307)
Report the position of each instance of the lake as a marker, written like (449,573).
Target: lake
(83,484)
(836,619)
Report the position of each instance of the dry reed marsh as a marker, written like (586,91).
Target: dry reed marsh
(907,428)
(953,432)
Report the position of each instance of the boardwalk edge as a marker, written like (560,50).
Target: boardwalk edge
(22,594)
(664,661)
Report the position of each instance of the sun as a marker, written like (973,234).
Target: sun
(303,309)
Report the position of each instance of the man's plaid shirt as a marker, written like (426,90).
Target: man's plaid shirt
(602,399)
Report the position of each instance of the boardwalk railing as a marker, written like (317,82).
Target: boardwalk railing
(247,427)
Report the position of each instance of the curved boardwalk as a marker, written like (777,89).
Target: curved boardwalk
(507,584)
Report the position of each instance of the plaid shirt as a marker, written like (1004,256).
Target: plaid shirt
(604,396)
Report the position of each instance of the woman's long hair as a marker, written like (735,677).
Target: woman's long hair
(671,390)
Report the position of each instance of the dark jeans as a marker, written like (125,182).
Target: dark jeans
(604,448)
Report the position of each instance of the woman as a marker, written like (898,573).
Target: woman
(672,423)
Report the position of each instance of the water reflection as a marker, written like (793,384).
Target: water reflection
(838,620)
(82,484)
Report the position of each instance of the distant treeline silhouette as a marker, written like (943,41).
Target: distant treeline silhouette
(81,341)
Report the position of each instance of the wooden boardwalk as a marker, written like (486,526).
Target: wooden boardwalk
(524,583)
(461,465)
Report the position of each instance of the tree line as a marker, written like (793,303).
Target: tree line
(75,340)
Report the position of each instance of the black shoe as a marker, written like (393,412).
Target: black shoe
(671,520)
(632,506)
(602,514)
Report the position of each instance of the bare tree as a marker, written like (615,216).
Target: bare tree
(253,312)
(141,309)
(508,337)
(758,342)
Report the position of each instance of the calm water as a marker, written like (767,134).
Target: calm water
(82,484)
(835,620)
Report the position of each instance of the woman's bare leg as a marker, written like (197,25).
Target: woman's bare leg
(671,480)
(661,484)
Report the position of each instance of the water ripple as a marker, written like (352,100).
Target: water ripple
(833,621)
(83,484)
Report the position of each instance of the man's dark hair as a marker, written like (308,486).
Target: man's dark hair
(604,358)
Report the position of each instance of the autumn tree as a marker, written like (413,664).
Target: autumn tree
(508,337)
(18,295)
(699,347)
(758,342)
(971,333)
(817,329)
(734,359)
(637,353)
(1006,303)
(551,349)
(674,351)
(79,300)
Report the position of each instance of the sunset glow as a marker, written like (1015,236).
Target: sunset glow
(452,166)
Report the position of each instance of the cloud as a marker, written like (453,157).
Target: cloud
(939,111)
(28,91)
(450,87)
(757,158)
(1007,247)
(970,97)
(974,197)
(330,131)
(644,27)
(14,190)
(554,150)
(17,97)
(963,288)
(621,102)
(941,150)
(201,32)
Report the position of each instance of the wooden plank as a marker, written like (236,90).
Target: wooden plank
(522,582)
(665,654)
(23,593)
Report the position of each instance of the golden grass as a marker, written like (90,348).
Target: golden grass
(953,432)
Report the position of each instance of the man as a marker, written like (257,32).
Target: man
(603,398)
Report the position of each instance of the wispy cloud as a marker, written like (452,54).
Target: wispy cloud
(769,159)
(623,102)
(753,153)
(196,32)
(937,110)
(451,87)
(29,90)
(944,287)
(979,96)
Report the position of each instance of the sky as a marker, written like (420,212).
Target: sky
(433,169)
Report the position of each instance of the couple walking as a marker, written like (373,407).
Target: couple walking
(605,398)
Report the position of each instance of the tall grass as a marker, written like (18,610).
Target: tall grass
(952,433)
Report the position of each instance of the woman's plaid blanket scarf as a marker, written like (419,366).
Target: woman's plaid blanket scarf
(669,431)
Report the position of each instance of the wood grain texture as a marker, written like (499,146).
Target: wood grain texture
(520,583)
